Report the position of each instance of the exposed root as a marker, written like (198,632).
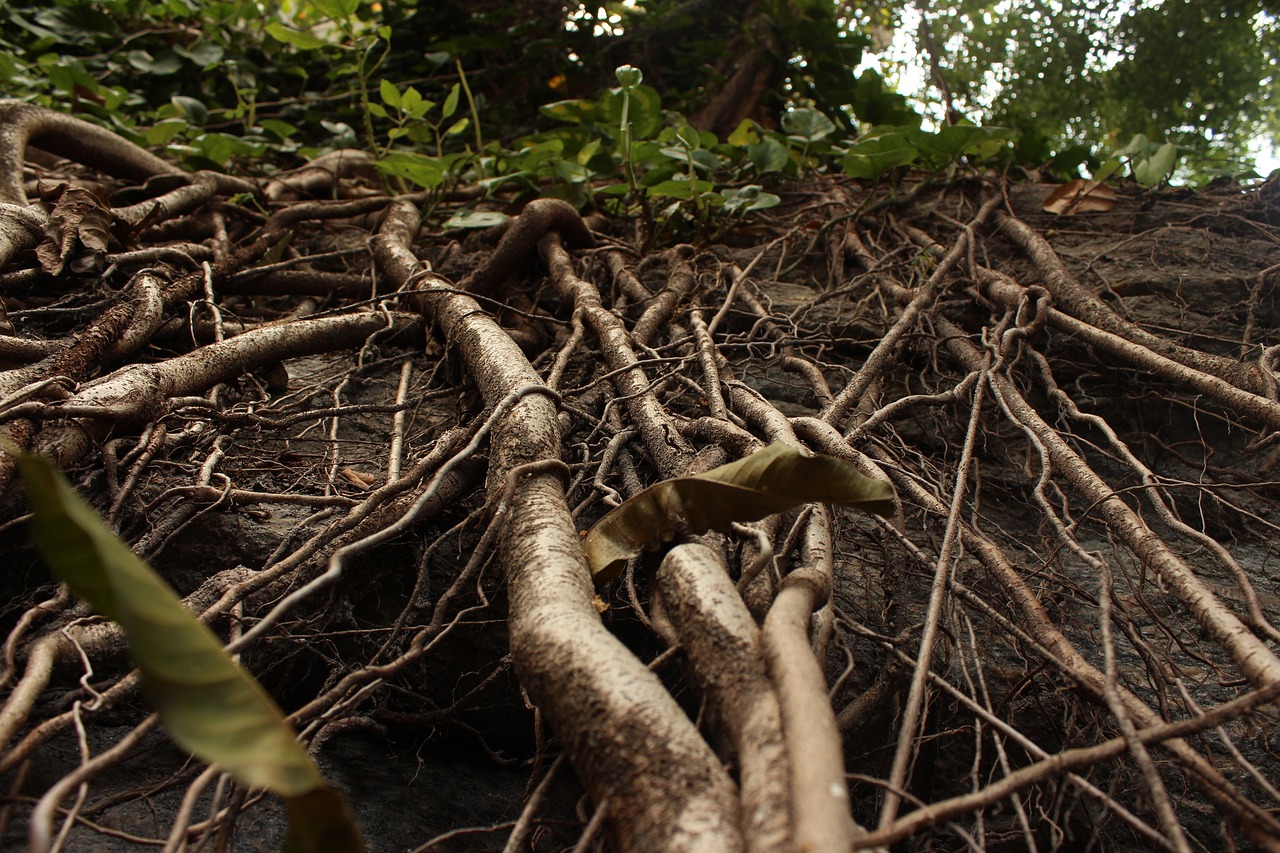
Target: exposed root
(367,459)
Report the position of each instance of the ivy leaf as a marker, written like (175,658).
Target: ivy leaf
(954,141)
(1153,170)
(873,157)
(644,112)
(770,480)
(808,124)
(744,134)
(748,198)
(191,109)
(162,65)
(768,155)
(676,188)
(202,53)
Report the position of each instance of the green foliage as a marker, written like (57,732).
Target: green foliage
(623,138)
(209,705)
(237,82)
(1150,165)
(877,153)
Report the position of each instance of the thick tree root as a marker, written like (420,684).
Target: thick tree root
(366,450)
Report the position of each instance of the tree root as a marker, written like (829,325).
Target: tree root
(367,456)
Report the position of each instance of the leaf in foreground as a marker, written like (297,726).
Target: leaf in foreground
(774,479)
(207,702)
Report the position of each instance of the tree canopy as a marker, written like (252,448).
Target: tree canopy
(244,78)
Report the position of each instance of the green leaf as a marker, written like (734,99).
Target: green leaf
(413,104)
(1107,169)
(190,109)
(202,53)
(750,197)
(628,76)
(770,480)
(280,128)
(744,134)
(680,189)
(809,124)
(768,155)
(218,148)
(476,219)
(587,151)
(162,65)
(336,10)
(164,131)
(451,102)
(574,111)
(873,157)
(301,39)
(209,704)
(644,111)
(426,172)
(952,142)
(1154,170)
(1139,146)
(389,93)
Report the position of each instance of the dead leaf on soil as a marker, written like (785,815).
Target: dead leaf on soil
(78,232)
(1081,196)
(770,480)
(359,478)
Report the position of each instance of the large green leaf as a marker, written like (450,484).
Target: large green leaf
(872,157)
(773,479)
(808,124)
(208,703)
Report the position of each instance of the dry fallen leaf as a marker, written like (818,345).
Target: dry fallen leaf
(77,234)
(770,480)
(359,478)
(1081,196)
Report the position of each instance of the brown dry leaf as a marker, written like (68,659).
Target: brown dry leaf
(770,480)
(1081,196)
(359,478)
(78,232)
